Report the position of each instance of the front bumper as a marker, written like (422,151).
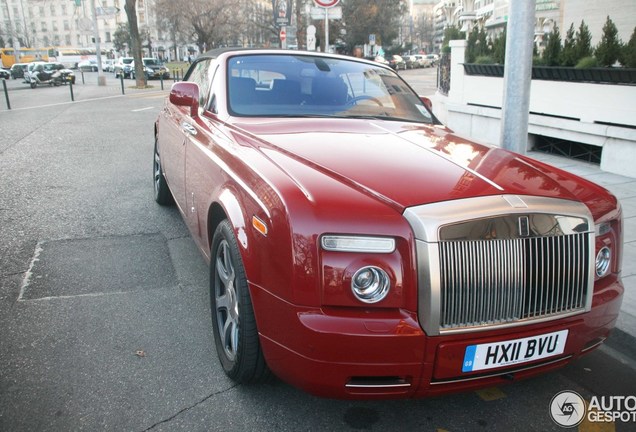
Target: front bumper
(370,353)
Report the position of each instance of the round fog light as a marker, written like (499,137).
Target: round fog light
(603,259)
(370,284)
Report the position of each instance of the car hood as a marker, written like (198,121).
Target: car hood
(402,164)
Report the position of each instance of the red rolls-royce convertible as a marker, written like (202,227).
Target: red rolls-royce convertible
(360,249)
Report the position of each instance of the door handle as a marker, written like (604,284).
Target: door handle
(187,127)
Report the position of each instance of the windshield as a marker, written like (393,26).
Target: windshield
(152,62)
(303,85)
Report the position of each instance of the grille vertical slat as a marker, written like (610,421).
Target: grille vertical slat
(490,282)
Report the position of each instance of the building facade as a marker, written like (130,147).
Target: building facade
(492,15)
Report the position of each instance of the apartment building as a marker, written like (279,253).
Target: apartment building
(493,16)
(44,23)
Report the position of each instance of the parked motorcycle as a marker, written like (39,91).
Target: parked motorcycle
(52,74)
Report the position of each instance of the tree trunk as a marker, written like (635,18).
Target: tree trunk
(131,12)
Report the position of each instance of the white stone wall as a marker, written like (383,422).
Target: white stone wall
(597,114)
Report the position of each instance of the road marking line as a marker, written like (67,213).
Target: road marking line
(143,109)
(27,276)
(65,297)
(490,394)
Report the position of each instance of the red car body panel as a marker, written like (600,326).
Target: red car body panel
(306,177)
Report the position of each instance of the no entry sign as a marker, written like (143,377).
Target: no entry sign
(326,3)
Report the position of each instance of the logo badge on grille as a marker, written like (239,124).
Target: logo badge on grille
(524,226)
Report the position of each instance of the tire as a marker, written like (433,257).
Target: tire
(163,196)
(33,84)
(235,332)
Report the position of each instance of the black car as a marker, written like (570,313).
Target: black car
(5,74)
(18,70)
(153,68)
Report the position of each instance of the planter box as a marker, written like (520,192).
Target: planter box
(624,76)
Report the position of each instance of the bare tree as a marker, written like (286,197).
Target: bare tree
(380,17)
(172,15)
(217,23)
(131,12)
(425,29)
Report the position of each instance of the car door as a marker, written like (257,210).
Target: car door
(199,171)
(177,127)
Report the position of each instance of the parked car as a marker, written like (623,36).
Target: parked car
(422,60)
(18,69)
(88,65)
(5,74)
(380,59)
(433,58)
(122,67)
(397,62)
(153,68)
(360,249)
(108,65)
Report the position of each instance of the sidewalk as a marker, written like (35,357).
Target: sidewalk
(625,190)
(85,89)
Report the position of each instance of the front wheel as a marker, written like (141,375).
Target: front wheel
(163,196)
(235,332)
(33,84)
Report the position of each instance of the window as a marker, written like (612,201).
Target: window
(66,25)
(52,10)
(108,38)
(43,27)
(199,74)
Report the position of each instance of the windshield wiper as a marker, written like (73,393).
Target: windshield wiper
(382,117)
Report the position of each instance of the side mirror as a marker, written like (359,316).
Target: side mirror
(427,103)
(186,94)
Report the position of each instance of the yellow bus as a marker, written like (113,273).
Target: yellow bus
(9,56)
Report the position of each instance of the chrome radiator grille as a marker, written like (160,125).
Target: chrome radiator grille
(491,282)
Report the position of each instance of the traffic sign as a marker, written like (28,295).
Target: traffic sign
(326,3)
(283,34)
(334,13)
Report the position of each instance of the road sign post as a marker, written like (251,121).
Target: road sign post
(326,5)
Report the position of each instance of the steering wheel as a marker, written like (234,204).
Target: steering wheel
(355,100)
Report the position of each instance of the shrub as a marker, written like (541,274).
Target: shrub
(538,61)
(587,63)
(499,48)
(477,45)
(609,48)
(568,53)
(583,44)
(552,53)
(628,55)
(452,33)
(484,60)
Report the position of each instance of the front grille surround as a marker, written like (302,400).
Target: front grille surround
(479,269)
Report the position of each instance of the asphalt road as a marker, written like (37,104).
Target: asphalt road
(104,309)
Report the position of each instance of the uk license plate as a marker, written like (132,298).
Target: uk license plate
(515,351)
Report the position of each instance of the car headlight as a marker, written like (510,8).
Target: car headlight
(603,261)
(370,284)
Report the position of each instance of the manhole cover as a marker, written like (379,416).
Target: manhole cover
(99,265)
